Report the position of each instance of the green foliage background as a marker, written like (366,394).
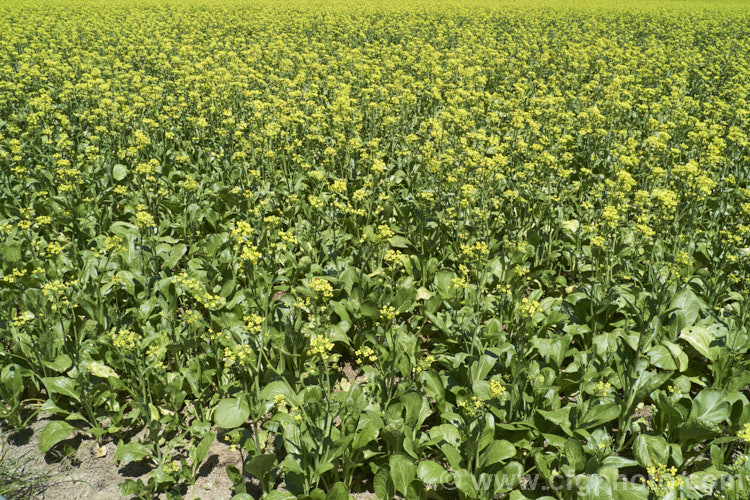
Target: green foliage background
(380,247)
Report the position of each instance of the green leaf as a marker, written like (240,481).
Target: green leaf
(496,452)
(650,451)
(231,412)
(600,414)
(62,385)
(625,490)
(259,465)
(432,384)
(660,357)
(574,454)
(432,473)
(416,491)
(11,251)
(338,491)
(405,299)
(687,303)
(382,484)
(130,452)
(700,338)
(201,450)
(60,364)
(465,482)
(593,487)
(53,433)
(400,242)
(446,432)
(618,462)
(278,495)
(11,383)
(510,476)
(119,172)
(403,471)
(99,370)
(710,405)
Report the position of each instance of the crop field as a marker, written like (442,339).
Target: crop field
(466,250)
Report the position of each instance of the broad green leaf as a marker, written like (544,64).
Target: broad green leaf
(593,487)
(11,383)
(60,364)
(278,495)
(650,451)
(618,462)
(710,405)
(338,491)
(53,433)
(600,414)
(496,452)
(465,482)
(403,471)
(416,491)
(446,432)
(432,472)
(11,251)
(201,450)
(405,299)
(259,465)
(231,412)
(626,490)
(62,385)
(100,370)
(400,242)
(660,357)
(432,384)
(382,484)
(574,454)
(130,452)
(687,303)
(700,338)
(509,477)
(119,172)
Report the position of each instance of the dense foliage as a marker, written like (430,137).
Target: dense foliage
(377,248)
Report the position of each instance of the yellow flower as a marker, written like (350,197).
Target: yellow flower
(744,434)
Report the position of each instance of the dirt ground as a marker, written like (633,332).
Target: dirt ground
(93,476)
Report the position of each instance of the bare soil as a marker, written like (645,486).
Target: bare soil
(92,474)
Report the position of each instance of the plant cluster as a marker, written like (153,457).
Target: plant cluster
(425,251)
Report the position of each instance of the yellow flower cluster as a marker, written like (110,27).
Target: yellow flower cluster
(744,434)
(603,389)
(22,319)
(280,402)
(365,353)
(497,389)
(195,288)
(242,235)
(322,288)
(125,340)
(471,406)
(387,313)
(172,467)
(55,292)
(253,322)
(144,219)
(320,346)
(663,480)
(240,354)
(528,307)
